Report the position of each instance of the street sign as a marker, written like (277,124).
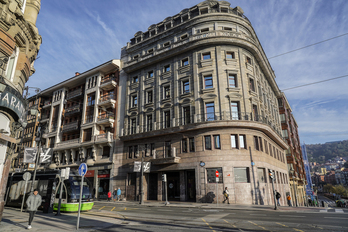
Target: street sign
(82,169)
(217,179)
(26,176)
(146,166)
(217,173)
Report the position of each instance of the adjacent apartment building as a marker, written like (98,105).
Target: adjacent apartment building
(77,119)
(294,155)
(19,45)
(199,96)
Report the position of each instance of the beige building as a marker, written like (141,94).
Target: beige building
(19,45)
(200,96)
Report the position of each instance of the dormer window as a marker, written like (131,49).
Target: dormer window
(150,51)
(166,44)
(185,18)
(169,25)
(204,11)
(184,37)
(135,57)
(204,29)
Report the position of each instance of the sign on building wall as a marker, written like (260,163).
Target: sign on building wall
(30,155)
(11,99)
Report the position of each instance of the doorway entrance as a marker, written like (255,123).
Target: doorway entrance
(152,187)
(173,186)
(191,186)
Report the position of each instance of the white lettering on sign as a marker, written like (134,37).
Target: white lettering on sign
(13,100)
(5,98)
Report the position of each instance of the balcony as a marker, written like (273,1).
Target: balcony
(177,123)
(71,126)
(73,110)
(108,83)
(104,138)
(107,101)
(44,117)
(106,119)
(74,94)
(47,104)
(69,143)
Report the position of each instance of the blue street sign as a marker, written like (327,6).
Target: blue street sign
(83,169)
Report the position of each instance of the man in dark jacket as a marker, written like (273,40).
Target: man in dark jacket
(33,202)
(278,196)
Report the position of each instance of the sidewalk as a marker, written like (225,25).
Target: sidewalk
(14,220)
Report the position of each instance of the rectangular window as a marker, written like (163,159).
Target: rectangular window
(205,29)
(130,152)
(242,142)
(248,60)
(256,143)
(217,144)
(168,149)
(152,149)
(185,62)
(282,118)
(211,175)
(266,146)
(251,84)
(132,177)
(260,142)
(150,74)
(235,110)
(261,174)
(186,86)
(184,145)
(136,151)
(192,144)
(135,79)
(255,113)
(149,96)
(285,134)
(134,101)
(149,122)
(206,56)
(167,68)
(208,82)
(184,36)
(166,44)
(166,91)
(232,81)
(166,119)
(234,141)
(133,125)
(187,115)
(207,142)
(210,111)
(229,55)
(270,150)
(241,175)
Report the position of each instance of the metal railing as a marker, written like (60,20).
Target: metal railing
(200,118)
(71,126)
(106,116)
(68,142)
(73,109)
(107,80)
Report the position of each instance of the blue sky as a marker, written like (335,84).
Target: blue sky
(81,34)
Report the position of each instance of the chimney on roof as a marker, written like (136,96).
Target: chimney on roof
(77,73)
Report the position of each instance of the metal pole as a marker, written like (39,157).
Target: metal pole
(36,163)
(60,193)
(166,192)
(141,182)
(274,195)
(25,189)
(78,214)
(217,195)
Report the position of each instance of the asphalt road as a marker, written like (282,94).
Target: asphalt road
(144,218)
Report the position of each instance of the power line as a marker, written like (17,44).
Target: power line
(308,46)
(315,82)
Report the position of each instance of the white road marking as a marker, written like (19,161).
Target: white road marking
(164,210)
(290,216)
(339,210)
(258,214)
(323,211)
(336,218)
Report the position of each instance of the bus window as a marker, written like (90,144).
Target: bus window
(58,192)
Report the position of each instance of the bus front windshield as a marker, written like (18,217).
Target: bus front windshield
(75,183)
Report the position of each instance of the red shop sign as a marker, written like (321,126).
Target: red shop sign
(90,173)
(104,176)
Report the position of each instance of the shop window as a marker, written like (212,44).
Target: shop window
(211,175)
(241,175)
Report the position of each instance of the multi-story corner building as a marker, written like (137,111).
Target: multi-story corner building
(77,119)
(200,97)
(294,153)
(19,45)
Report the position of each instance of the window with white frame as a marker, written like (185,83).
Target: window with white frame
(234,141)
(242,142)
(11,64)
(235,110)
(232,80)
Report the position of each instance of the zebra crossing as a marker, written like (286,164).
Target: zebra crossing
(330,210)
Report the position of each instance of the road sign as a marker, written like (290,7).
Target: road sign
(26,176)
(83,169)
(217,173)
(217,179)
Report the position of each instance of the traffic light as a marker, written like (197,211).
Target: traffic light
(164,177)
(271,173)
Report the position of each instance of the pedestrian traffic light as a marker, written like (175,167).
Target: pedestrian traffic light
(164,177)
(271,173)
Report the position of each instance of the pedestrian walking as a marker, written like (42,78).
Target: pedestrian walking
(226,196)
(118,194)
(114,193)
(289,200)
(109,195)
(33,203)
(278,196)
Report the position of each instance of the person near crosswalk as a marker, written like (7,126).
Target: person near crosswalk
(289,200)
(278,196)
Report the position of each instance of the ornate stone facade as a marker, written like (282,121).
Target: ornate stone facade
(198,89)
